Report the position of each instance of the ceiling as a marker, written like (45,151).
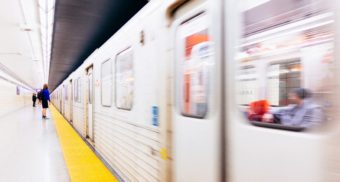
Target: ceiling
(81,26)
(20,47)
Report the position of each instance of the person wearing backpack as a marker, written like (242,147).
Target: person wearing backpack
(45,99)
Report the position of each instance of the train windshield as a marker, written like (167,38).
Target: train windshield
(285,74)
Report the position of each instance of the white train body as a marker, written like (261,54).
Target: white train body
(164,98)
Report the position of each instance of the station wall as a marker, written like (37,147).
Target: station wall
(12,97)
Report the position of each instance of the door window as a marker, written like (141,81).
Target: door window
(90,89)
(194,62)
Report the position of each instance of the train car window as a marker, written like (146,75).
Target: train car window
(285,63)
(125,79)
(106,83)
(194,62)
(282,79)
(247,85)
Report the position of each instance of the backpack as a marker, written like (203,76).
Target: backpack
(40,95)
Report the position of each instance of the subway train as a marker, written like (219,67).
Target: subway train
(166,98)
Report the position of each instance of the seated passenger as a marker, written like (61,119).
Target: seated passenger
(257,109)
(303,113)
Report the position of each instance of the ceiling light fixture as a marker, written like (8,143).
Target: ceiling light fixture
(46,11)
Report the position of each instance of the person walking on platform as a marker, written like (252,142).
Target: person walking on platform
(45,98)
(34,99)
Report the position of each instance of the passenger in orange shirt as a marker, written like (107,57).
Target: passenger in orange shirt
(257,110)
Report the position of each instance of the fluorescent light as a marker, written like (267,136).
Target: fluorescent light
(46,28)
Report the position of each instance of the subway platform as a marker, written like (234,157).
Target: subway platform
(38,150)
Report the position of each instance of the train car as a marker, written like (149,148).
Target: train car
(117,103)
(281,46)
(128,99)
(168,97)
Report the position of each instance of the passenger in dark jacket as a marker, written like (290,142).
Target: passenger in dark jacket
(34,99)
(45,98)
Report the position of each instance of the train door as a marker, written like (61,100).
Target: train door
(60,101)
(89,104)
(71,100)
(197,136)
(67,101)
(63,99)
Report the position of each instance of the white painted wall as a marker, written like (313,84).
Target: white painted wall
(9,100)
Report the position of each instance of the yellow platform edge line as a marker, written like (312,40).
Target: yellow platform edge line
(83,165)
